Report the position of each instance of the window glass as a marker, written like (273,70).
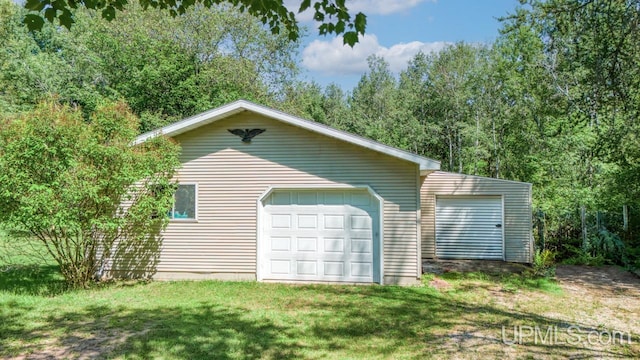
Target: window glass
(184,205)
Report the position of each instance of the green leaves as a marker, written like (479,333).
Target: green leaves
(350,38)
(333,16)
(35,5)
(50,14)
(109,13)
(66,181)
(304,5)
(33,22)
(66,19)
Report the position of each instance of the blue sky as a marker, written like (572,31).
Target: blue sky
(397,30)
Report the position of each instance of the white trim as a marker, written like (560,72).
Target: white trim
(419,225)
(504,247)
(272,188)
(195,210)
(243,105)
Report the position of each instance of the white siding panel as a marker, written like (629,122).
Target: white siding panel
(518,243)
(231,175)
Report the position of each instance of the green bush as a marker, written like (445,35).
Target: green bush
(582,257)
(64,181)
(607,245)
(543,264)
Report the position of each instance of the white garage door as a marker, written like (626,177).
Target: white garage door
(327,235)
(469,227)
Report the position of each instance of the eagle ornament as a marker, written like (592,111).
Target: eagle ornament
(246,134)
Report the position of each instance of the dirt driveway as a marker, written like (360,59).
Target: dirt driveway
(595,304)
(603,280)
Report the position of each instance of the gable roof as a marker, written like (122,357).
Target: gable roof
(239,106)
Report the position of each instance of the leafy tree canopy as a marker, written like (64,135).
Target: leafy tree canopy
(333,15)
(164,68)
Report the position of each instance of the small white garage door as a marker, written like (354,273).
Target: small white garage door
(469,227)
(320,235)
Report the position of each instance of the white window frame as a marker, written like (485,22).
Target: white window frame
(173,206)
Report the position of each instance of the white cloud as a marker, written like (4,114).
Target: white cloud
(368,7)
(383,7)
(334,58)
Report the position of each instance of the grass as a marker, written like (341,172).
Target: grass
(239,320)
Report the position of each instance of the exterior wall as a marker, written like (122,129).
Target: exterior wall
(518,241)
(231,176)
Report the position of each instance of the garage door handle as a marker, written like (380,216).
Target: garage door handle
(498,225)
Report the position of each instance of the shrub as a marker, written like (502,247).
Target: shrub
(65,181)
(582,257)
(543,264)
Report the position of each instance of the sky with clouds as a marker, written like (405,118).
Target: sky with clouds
(396,31)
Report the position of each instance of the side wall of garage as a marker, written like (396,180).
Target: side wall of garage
(518,241)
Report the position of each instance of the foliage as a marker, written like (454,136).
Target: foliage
(165,68)
(581,257)
(543,263)
(65,182)
(608,245)
(333,16)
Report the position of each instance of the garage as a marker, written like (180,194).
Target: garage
(320,235)
(469,227)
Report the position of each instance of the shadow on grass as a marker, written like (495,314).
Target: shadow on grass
(280,321)
(449,326)
(200,332)
(36,280)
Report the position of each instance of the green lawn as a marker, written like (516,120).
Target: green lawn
(208,319)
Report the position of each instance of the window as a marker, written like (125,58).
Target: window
(184,204)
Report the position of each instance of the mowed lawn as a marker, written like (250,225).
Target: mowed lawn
(457,316)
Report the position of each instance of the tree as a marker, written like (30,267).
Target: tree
(164,68)
(333,15)
(375,108)
(572,73)
(81,189)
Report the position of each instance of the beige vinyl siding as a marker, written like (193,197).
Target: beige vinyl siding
(231,176)
(517,209)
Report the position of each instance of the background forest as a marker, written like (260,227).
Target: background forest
(554,101)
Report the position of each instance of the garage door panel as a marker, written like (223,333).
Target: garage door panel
(361,269)
(361,246)
(319,235)
(334,268)
(334,245)
(309,244)
(281,198)
(307,198)
(280,266)
(306,267)
(335,222)
(307,221)
(469,227)
(476,234)
(280,243)
(281,221)
(335,198)
(361,222)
